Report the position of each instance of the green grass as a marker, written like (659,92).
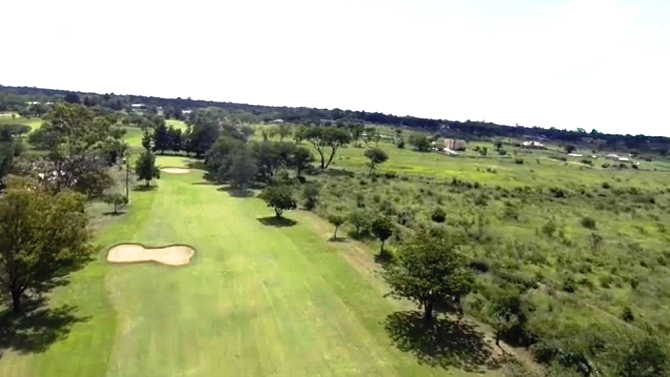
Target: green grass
(33,123)
(256,300)
(176,124)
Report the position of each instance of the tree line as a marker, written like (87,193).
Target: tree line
(14,98)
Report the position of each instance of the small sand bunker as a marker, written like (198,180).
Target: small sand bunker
(178,255)
(176,170)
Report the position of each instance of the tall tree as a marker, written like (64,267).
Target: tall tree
(243,167)
(327,137)
(376,157)
(420,142)
(283,130)
(145,167)
(176,141)
(41,237)
(161,138)
(382,228)
(429,269)
(300,159)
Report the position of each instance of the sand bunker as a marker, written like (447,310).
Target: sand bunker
(178,255)
(175,170)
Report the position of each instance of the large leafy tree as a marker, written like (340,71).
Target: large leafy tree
(145,167)
(243,168)
(79,141)
(300,159)
(324,138)
(376,157)
(279,197)
(420,142)
(429,269)
(161,138)
(41,237)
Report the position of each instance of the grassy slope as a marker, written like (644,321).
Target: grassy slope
(256,300)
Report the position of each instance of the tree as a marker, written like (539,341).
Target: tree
(72,98)
(327,137)
(376,157)
(505,312)
(279,197)
(299,133)
(145,167)
(337,221)
(420,142)
(300,159)
(356,130)
(360,221)
(42,236)
(176,141)
(146,140)
(311,194)
(283,130)
(429,269)
(570,148)
(161,138)
(243,167)
(116,200)
(269,157)
(382,228)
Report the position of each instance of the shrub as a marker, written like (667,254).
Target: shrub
(549,228)
(606,185)
(502,152)
(390,174)
(570,285)
(438,215)
(311,194)
(627,315)
(115,200)
(588,223)
(518,161)
(587,161)
(605,165)
(401,144)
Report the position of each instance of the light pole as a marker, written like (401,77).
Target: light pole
(126,162)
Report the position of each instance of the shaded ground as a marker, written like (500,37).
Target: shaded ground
(279,222)
(36,328)
(448,343)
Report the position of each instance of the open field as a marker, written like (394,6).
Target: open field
(258,298)
(33,123)
(178,124)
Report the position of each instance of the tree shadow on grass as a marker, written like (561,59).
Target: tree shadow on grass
(237,192)
(37,328)
(277,222)
(446,343)
(144,188)
(112,213)
(198,164)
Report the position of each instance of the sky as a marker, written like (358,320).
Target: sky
(600,64)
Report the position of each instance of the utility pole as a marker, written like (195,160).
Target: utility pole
(126,160)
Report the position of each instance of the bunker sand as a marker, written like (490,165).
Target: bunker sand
(178,255)
(175,170)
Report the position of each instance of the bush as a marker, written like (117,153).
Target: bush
(401,144)
(605,165)
(588,223)
(570,285)
(438,215)
(549,228)
(390,174)
(627,315)
(606,185)
(311,194)
(587,161)
(518,161)
(502,152)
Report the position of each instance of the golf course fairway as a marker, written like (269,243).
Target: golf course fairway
(255,300)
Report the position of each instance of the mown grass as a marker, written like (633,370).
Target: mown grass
(256,299)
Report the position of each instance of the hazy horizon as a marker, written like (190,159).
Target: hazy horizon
(567,64)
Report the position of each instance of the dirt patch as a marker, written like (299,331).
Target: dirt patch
(175,170)
(175,255)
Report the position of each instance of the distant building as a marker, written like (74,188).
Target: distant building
(277,121)
(455,144)
(575,155)
(533,144)
(138,106)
